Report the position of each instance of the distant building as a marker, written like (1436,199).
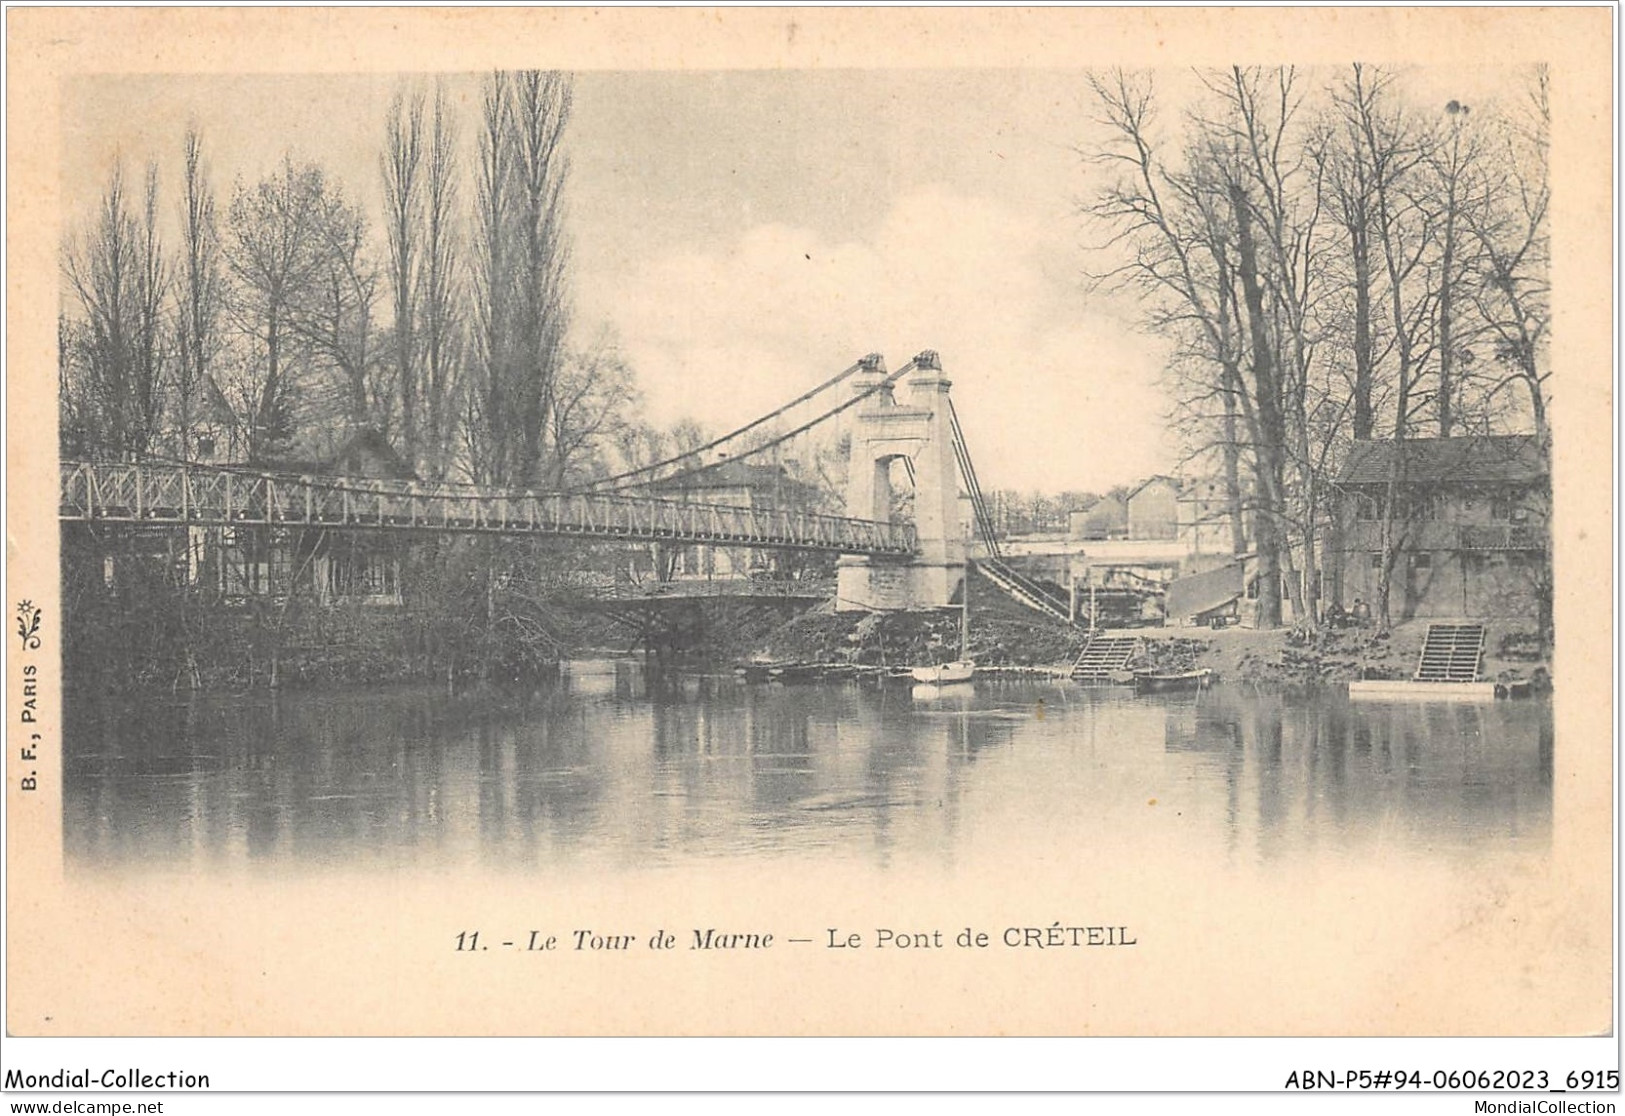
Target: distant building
(1153,509)
(735,484)
(1163,529)
(1470,527)
(1105,518)
(1215,582)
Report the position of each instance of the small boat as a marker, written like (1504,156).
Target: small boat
(1162,682)
(962,669)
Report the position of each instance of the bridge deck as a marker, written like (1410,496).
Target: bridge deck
(199,495)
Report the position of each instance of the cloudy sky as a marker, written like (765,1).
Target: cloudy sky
(747,234)
(752,231)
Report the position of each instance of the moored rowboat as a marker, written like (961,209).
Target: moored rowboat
(1157,682)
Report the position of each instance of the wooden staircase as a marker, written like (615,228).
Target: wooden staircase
(1103,656)
(1454,652)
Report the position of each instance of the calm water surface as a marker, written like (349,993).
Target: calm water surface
(606,770)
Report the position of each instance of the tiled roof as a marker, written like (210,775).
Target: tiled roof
(1148,481)
(348,459)
(1487,459)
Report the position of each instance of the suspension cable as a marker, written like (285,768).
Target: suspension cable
(870,361)
(882,385)
(338,483)
(972,484)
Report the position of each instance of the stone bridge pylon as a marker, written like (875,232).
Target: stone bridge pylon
(917,428)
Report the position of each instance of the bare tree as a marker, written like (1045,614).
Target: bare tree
(487,421)
(1275,188)
(542,110)
(1513,292)
(441,326)
(152,344)
(276,253)
(418,168)
(113,357)
(593,398)
(1512,233)
(198,293)
(334,315)
(1452,160)
(401,168)
(1207,246)
(521,306)
(1350,176)
(1404,235)
(1167,220)
(1306,249)
(303,302)
(75,426)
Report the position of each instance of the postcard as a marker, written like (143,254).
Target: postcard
(1082,523)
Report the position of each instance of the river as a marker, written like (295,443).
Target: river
(603,770)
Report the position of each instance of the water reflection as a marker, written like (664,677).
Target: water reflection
(606,768)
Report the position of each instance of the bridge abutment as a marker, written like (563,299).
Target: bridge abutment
(919,430)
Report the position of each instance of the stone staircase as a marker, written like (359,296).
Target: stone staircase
(1453,652)
(1103,656)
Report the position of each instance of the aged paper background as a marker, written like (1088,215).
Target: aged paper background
(1280,952)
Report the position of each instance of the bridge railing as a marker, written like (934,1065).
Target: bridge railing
(203,495)
(785,588)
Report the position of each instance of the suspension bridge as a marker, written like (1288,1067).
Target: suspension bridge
(885,563)
(209,496)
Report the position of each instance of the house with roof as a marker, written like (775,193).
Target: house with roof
(1469,519)
(359,567)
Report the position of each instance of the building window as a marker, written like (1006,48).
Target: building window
(376,575)
(1421,561)
(1376,559)
(1501,506)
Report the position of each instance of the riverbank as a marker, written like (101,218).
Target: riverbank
(162,641)
(1002,634)
(1006,634)
(1283,658)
